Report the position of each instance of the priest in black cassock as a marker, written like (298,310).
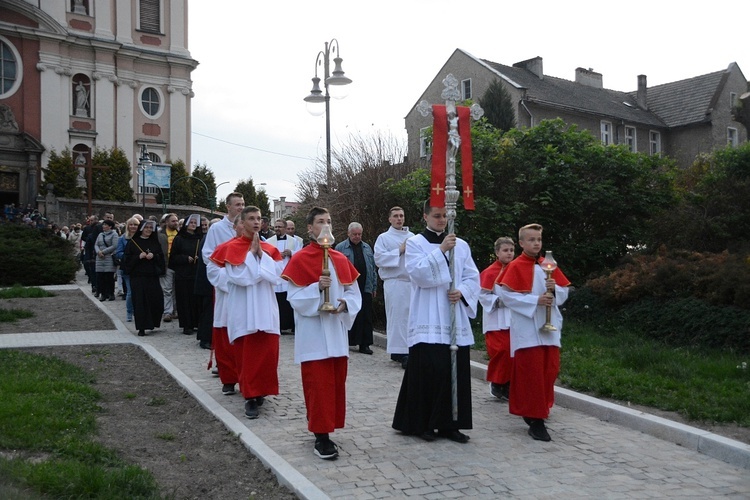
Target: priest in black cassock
(424,406)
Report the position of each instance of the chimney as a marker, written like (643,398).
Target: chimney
(641,96)
(534,65)
(590,78)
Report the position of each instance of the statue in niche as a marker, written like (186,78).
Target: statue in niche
(82,100)
(79,8)
(7,119)
(80,163)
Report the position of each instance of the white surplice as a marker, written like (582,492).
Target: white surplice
(495,314)
(527,316)
(429,315)
(321,335)
(218,233)
(396,286)
(251,301)
(217,276)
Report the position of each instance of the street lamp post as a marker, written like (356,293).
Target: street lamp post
(316,95)
(144,162)
(216,194)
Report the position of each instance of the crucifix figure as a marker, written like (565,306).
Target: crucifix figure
(451,134)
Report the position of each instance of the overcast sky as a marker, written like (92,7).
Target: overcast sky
(257,60)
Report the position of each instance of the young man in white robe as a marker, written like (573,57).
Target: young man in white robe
(219,233)
(390,248)
(424,406)
(253,269)
(321,342)
(225,356)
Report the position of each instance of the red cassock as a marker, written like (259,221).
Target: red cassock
(323,380)
(534,369)
(497,342)
(256,354)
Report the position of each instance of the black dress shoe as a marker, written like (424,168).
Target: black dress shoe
(365,350)
(205,345)
(428,436)
(455,436)
(538,430)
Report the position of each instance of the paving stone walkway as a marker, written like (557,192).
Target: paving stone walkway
(588,457)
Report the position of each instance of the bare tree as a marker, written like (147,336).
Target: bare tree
(358,172)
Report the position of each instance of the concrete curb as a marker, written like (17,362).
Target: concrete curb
(719,447)
(284,472)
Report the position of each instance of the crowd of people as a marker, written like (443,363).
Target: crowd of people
(237,283)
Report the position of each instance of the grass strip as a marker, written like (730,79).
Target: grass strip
(700,384)
(47,428)
(21,292)
(11,315)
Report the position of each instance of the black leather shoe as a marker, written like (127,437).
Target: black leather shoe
(365,350)
(454,435)
(428,436)
(538,431)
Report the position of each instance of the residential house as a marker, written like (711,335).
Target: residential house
(679,119)
(82,75)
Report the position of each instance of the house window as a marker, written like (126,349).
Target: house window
(466,89)
(151,102)
(630,139)
(606,132)
(425,145)
(10,69)
(732,99)
(732,137)
(654,139)
(149,16)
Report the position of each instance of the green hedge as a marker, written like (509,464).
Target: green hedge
(32,257)
(679,321)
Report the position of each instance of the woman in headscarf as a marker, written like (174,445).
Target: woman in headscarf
(144,262)
(183,260)
(131,226)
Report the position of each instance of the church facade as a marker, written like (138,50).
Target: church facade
(88,75)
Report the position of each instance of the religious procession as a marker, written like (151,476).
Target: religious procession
(268,283)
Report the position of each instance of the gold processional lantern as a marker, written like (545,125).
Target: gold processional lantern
(548,266)
(326,240)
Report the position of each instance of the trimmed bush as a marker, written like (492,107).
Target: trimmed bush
(681,298)
(33,257)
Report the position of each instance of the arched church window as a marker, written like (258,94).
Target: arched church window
(10,68)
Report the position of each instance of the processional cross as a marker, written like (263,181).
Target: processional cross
(451,130)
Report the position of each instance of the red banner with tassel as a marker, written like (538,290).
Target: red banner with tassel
(467,171)
(439,149)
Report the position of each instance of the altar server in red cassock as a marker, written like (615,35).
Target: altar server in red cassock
(321,343)
(253,270)
(536,354)
(496,320)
